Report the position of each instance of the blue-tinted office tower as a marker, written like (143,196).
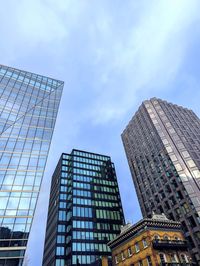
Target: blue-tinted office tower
(85,210)
(28,109)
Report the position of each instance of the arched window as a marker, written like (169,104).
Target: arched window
(166,238)
(184,258)
(176,238)
(162,258)
(174,258)
(156,237)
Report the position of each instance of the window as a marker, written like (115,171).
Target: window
(137,248)
(165,141)
(166,238)
(140,263)
(185,154)
(192,221)
(122,255)
(116,259)
(60,262)
(129,252)
(196,173)
(169,149)
(82,212)
(83,224)
(144,243)
(162,258)
(60,251)
(173,258)
(184,258)
(176,238)
(61,228)
(156,237)
(190,163)
(60,239)
(149,262)
(62,216)
(178,167)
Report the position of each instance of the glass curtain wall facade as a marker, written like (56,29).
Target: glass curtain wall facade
(162,144)
(28,110)
(85,210)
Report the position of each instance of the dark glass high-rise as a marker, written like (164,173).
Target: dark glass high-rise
(162,144)
(85,210)
(28,110)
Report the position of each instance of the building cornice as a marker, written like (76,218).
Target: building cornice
(143,225)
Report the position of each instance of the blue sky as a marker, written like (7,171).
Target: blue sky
(112,55)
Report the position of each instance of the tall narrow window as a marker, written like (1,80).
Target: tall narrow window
(149,262)
(174,258)
(122,255)
(184,258)
(162,258)
(137,247)
(129,252)
(144,243)
(140,263)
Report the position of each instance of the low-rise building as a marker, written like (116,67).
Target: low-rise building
(151,242)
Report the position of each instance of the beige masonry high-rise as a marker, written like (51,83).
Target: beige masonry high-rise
(162,144)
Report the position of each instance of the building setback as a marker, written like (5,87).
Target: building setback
(162,144)
(85,210)
(28,110)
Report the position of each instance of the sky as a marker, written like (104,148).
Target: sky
(111,55)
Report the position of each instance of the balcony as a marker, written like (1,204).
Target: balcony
(169,244)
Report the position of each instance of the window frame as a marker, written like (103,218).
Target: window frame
(123,256)
(130,253)
(137,247)
(164,257)
(149,263)
(144,242)
(116,259)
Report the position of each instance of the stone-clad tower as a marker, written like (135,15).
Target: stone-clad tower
(162,144)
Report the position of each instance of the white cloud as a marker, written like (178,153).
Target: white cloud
(147,57)
(130,50)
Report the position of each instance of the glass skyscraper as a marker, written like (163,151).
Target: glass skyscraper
(85,210)
(162,144)
(28,109)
